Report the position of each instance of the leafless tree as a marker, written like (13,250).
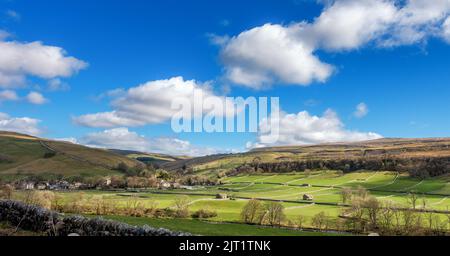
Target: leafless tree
(346,195)
(250,211)
(319,220)
(372,206)
(412,199)
(362,192)
(6,191)
(275,213)
(182,206)
(301,221)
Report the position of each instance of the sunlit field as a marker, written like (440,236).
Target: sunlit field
(324,187)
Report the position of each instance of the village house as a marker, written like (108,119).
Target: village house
(25,185)
(164,184)
(41,186)
(76,186)
(59,185)
(176,185)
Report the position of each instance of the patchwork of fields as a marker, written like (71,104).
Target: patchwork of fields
(324,186)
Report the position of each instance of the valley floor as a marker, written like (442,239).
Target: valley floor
(325,187)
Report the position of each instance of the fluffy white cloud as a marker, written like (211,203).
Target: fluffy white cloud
(258,56)
(446,30)
(19,60)
(416,21)
(21,125)
(119,138)
(122,138)
(57,85)
(361,110)
(288,53)
(70,140)
(4,34)
(218,40)
(36,98)
(306,129)
(150,103)
(8,95)
(348,24)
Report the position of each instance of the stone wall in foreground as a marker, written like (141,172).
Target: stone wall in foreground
(34,218)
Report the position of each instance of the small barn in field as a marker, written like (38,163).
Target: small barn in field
(307,197)
(221,196)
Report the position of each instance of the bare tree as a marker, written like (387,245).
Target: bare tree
(372,206)
(346,195)
(182,206)
(6,191)
(275,213)
(319,220)
(301,221)
(251,211)
(362,192)
(387,217)
(412,199)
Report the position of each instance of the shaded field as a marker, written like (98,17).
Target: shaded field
(215,228)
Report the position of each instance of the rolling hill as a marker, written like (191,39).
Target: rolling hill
(153,158)
(23,155)
(431,155)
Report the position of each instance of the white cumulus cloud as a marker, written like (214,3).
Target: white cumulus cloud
(361,110)
(57,84)
(306,129)
(19,60)
(446,30)
(123,138)
(8,95)
(288,54)
(36,98)
(24,125)
(150,103)
(262,55)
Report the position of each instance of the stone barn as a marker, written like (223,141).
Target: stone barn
(221,196)
(307,197)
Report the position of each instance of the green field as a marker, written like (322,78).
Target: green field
(215,228)
(25,156)
(325,187)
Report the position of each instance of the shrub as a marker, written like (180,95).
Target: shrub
(182,206)
(204,214)
(43,199)
(134,208)
(6,191)
(49,154)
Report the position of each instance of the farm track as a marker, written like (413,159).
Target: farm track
(313,176)
(413,186)
(338,186)
(274,200)
(440,202)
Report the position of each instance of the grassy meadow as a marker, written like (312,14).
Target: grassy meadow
(288,189)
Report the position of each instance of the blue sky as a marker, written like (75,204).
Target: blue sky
(403,82)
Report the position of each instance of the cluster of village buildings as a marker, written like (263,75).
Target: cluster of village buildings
(65,185)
